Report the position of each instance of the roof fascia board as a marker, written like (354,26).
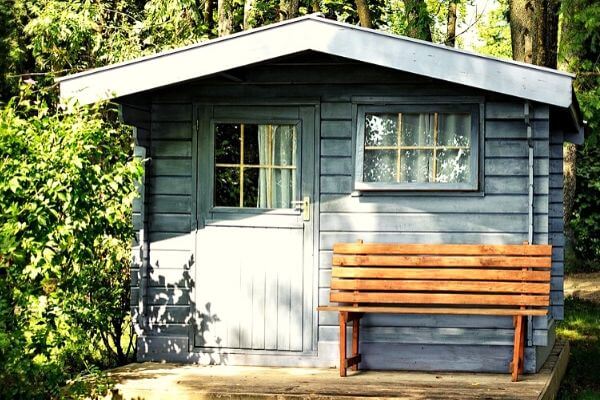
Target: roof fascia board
(543,85)
(194,62)
(312,33)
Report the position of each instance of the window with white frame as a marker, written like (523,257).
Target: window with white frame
(417,147)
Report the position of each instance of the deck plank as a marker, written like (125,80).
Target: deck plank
(175,381)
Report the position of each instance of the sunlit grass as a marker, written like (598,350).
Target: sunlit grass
(581,328)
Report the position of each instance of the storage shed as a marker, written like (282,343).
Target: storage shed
(268,146)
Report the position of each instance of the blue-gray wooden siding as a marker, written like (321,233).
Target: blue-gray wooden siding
(496,215)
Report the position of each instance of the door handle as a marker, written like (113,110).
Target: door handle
(304,206)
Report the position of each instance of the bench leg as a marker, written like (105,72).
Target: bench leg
(518,349)
(343,319)
(355,340)
(353,361)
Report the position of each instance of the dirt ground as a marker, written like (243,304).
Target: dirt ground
(583,286)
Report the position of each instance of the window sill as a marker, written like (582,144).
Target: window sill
(415,187)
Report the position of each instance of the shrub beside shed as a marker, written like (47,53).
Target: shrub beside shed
(267,147)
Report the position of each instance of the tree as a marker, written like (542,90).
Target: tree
(418,20)
(225,13)
(534,31)
(209,19)
(364,15)
(249,14)
(451,26)
(288,9)
(579,53)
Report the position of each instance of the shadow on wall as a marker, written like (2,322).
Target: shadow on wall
(168,327)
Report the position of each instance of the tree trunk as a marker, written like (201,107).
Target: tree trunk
(316,6)
(288,9)
(209,7)
(225,11)
(534,31)
(451,32)
(569,187)
(249,14)
(364,16)
(418,21)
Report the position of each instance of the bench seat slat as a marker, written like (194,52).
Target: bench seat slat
(433,310)
(439,298)
(440,274)
(440,286)
(442,261)
(443,249)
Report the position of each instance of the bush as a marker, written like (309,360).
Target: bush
(66,185)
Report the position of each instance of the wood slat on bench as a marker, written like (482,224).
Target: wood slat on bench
(439,286)
(433,310)
(442,249)
(439,298)
(440,274)
(444,261)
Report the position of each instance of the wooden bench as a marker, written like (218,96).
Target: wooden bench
(511,280)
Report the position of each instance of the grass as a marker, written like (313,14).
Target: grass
(581,328)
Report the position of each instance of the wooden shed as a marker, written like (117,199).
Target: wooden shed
(268,146)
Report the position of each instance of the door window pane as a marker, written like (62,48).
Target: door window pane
(227,143)
(227,187)
(265,165)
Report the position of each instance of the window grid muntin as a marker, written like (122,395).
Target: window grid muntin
(435,147)
(270,167)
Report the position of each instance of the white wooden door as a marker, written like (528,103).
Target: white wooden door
(254,243)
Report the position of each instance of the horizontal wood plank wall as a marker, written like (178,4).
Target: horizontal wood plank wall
(556,222)
(168,279)
(497,216)
(500,216)
(140,225)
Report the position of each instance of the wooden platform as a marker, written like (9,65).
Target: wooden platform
(173,381)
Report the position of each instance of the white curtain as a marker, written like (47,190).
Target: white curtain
(416,165)
(277,148)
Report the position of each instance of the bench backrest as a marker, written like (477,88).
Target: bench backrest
(458,275)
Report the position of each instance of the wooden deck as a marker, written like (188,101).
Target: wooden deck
(173,381)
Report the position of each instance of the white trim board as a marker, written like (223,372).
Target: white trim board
(315,33)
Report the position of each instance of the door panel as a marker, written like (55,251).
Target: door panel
(253,264)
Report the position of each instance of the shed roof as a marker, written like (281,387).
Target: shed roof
(313,32)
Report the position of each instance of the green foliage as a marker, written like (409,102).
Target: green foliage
(66,186)
(580,52)
(581,328)
(172,23)
(494,31)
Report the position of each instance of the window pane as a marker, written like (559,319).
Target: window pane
(453,166)
(227,143)
(416,166)
(227,187)
(454,130)
(417,129)
(380,166)
(381,130)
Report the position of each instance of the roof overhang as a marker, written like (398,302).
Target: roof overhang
(322,35)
